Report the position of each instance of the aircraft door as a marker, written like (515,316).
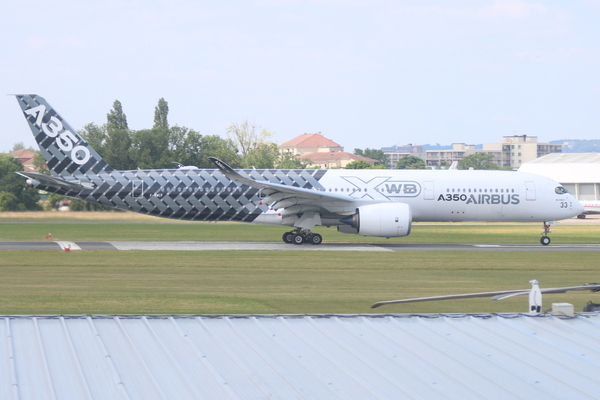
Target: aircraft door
(428,190)
(137,189)
(530,190)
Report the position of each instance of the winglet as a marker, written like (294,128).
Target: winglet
(232,174)
(226,169)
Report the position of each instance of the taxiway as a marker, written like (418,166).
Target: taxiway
(274,246)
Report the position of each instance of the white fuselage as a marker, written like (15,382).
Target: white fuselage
(455,195)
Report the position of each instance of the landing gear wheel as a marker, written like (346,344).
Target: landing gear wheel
(315,238)
(298,239)
(545,240)
(288,237)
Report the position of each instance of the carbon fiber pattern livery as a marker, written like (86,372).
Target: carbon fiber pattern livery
(190,194)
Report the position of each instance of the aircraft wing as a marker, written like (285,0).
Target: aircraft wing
(494,295)
(291,198)
(449,297)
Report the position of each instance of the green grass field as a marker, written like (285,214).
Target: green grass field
(127,228)
(297,282)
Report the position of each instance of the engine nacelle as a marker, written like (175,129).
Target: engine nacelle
(382,220)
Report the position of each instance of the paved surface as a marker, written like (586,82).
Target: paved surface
(274,246)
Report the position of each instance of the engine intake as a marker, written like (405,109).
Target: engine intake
(381,220)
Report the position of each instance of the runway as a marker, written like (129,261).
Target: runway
(275,246)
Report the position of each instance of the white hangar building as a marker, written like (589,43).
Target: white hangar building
(579,173)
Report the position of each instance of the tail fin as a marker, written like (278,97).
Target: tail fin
(66,152)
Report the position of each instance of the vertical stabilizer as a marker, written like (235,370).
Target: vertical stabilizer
(66,152)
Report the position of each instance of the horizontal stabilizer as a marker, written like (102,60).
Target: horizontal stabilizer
(54,182)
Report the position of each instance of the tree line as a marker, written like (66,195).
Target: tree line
(247,145)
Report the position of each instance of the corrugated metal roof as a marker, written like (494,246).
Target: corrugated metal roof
(314,357)
(567,158)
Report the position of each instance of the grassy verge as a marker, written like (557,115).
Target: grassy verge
(127,230)
(52,282)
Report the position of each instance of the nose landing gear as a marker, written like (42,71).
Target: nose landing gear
(545,239)
(300,236)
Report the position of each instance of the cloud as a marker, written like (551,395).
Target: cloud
(36,42)
(514,9)
(570,54)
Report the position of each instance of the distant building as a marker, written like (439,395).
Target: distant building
(512,152)
(395,153)
(440,158)
(516,150)
(320,151)
(334,159)
(26,157)
(309,143)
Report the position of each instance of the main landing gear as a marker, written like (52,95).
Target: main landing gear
(545,240)
(299,236)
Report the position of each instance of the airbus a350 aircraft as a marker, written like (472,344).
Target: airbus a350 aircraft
(380,203)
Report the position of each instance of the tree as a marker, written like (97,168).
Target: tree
(118,146)
(411,162)
(118,141)
(8,202)
(39,162)
(379,155)
(263,156)
(254,145)
(358,164)
(289,161)
(223,149)
(161,113)
(116,119)
(95,136)
(18,146)
(477,161)
(191,148)
(18,196)
(150,148)
(82,205)
(54,201)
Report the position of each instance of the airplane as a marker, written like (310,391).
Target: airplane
(378,203)
(535,295)
(589,207)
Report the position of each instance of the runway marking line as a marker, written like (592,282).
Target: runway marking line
(64,245)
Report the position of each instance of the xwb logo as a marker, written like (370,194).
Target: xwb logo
(402,189)
(65,139)
(381,187)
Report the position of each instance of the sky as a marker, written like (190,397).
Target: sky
(364,73)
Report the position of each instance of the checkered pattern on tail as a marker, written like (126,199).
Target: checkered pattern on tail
(66,153)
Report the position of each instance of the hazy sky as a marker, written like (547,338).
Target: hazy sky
(365,73)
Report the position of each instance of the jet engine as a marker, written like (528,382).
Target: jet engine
(383,220)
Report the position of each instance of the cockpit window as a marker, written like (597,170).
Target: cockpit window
(561,190)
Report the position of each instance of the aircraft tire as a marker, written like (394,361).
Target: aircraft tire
(288,237)
(315,239)
(545,240)
(298,239)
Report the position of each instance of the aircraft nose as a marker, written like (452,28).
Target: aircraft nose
(577,206)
